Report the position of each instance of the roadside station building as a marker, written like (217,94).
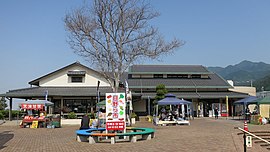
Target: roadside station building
(74,88)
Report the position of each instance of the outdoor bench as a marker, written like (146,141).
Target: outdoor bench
(147,134)
(83,135)
(92,137)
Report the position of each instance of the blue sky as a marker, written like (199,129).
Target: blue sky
(216,32)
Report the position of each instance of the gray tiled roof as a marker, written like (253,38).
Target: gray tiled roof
(168,68)
(57,91)
(200,95)
(214,81)
(91,91)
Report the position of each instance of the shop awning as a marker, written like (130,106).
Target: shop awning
(265,100)
(171,99)
(35,104)
(247,100)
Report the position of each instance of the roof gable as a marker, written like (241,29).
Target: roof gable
(37,81)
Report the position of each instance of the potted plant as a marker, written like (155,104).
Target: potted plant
(133,117)
(72,115)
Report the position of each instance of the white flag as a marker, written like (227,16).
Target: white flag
(46,94)
(126,85)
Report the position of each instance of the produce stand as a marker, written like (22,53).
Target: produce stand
(36,114)
(29,120)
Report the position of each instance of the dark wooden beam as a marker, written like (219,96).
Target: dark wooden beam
(10,109)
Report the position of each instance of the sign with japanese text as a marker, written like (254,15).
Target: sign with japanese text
(115,125)
(33,106)
(115,111)
(34,124)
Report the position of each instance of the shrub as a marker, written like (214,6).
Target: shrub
(16,113)
(72,115)
(1,116)
(5,113)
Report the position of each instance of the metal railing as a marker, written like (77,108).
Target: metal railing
(251,134)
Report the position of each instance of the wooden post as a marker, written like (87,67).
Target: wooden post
(62,106)
(10,109)
(245,143)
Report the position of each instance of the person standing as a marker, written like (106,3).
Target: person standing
(247,114)
(216,113)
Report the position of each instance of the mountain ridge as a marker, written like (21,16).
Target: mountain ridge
(244,73)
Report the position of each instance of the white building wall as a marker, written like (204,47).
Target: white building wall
(242,89)
(61,79)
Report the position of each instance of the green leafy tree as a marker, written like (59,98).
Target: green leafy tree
(160,92)
(3,103)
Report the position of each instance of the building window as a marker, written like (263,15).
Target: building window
(177,76)
(195,76)
(78,105)
(76,79)
(158,75)
(76,73)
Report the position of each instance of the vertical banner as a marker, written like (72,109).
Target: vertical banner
(115,111)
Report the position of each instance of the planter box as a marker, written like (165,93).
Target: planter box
(70,121)
(133,120)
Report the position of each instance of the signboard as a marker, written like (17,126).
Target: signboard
(249,141)
(115,125)
(34,124)
(115,111)
(33,106)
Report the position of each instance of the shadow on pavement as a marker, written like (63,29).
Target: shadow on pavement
(4,138)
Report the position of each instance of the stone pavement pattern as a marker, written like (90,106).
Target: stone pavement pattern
(203,135)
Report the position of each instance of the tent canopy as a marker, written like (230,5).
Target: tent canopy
(171,99)
(265,100)
(247,100)
(43,102)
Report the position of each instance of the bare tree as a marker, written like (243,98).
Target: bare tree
(113,34)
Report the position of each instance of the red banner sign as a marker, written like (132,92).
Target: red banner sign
(33,106)
(117,125)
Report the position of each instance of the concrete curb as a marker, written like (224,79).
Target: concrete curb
(2,121)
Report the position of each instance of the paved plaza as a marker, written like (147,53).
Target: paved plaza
(203,135)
